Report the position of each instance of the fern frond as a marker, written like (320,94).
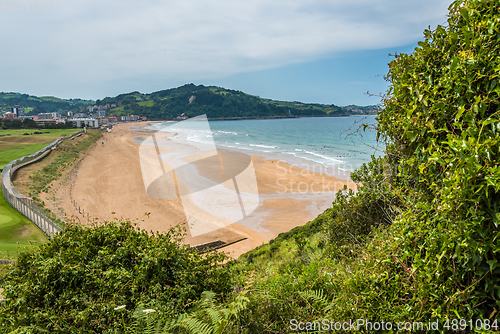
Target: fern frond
(216,319)
(239,304)
(138,313)
(208,295)
(318,296)
(171,324)
(157,329)
(195,326)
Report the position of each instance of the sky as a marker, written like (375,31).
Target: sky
(315,51)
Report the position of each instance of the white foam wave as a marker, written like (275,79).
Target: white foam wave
(264,146)
(227,132)
(324,157)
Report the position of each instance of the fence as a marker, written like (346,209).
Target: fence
(25,205)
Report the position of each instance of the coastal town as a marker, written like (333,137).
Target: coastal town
(92,116)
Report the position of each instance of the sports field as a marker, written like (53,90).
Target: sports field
(16,232)
(13,144)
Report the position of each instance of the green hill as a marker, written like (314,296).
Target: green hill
(191,100)
(34,105)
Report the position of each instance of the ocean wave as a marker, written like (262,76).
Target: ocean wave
(264,146)
(226,132)
(324,157)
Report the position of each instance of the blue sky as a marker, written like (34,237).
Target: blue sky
(342,80)
(324,51)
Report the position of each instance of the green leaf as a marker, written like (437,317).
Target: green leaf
(459,113)
(465,14)
(489,121)
(437,159)
(492,264)
(454,63)
(412,135)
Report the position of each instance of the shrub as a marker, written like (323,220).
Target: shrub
(353,215)
(72,283)
(442,117)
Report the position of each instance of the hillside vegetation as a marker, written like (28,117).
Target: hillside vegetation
(192,100)
(186,101)
(416,249)
(419,241)
(34,105)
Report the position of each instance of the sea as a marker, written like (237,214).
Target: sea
(331,145)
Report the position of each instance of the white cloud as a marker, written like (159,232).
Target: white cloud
(87,41)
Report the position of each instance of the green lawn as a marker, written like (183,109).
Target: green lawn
(14,145)
(46,132)
(19,151)
(118,111)
(16,231)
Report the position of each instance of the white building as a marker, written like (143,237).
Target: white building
(89,122)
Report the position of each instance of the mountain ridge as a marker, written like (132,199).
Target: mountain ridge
(188,100)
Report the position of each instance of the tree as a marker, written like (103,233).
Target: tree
(16,124)
(29,123)
(7,123)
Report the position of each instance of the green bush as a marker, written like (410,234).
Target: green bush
(73,283)
(442,118)
(353,215)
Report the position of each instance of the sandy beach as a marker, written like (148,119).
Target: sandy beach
(109,185)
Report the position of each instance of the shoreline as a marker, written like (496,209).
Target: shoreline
(313,159)
(109,185)
(242,118)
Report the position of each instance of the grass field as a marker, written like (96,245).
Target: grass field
(46,132)
(16,231)
(14,145)
(146,103)
(19,151)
